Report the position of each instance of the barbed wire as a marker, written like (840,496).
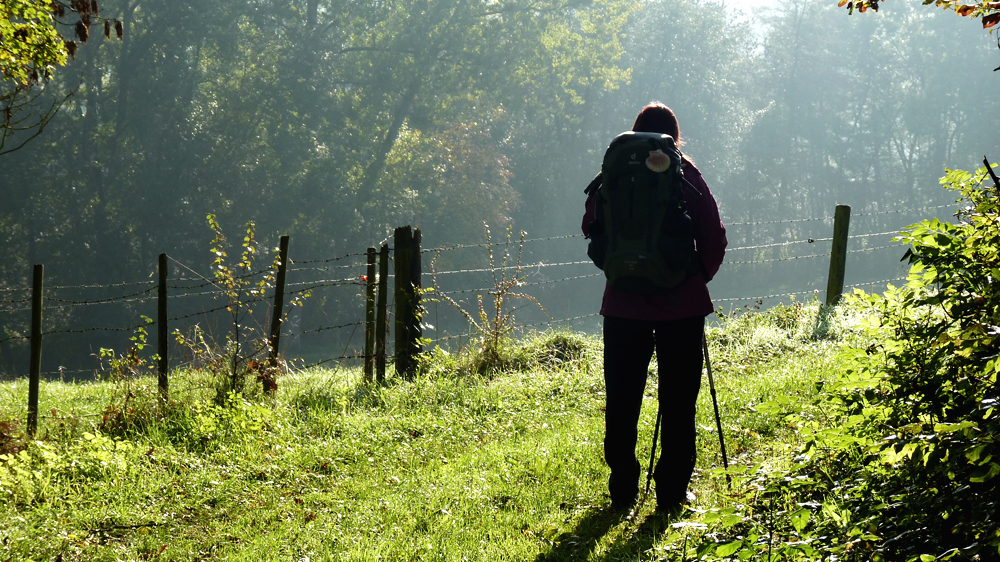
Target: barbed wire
(11,338)
(776,244)
(905,210)
(879,282)
(330,268)
(440,249)
(816,255)
(760,298)
(215,294)
(808,241)
(565,236)
(217,309)
(16,301)
(329,260)
(109,300)
(447,338)
(10,376)
(524,267)
(893,232)
(826,218)
(551,322)
(340,358)
(493,289)
(877,248)
(112,285)
(324,328)
(778,259)
(309,289)
(327,282)
(25,288)
(98,329)
(788,221)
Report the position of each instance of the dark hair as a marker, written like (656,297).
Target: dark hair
(658,118)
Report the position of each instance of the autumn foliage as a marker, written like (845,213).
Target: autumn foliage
(989,12)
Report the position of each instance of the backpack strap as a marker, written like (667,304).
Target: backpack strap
(594,184)
(690,186)
(684,180)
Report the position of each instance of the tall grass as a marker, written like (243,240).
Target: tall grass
(452,466)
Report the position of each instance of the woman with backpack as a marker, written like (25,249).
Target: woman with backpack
(670,322)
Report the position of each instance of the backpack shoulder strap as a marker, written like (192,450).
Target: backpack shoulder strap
(684,180)
(594,185)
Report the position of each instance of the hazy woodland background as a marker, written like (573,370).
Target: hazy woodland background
(334,121)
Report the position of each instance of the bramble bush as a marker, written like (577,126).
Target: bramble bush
(901,459)
(933,487)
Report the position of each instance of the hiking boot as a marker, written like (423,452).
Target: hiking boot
(621,505)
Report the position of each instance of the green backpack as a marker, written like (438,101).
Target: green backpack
(642,236)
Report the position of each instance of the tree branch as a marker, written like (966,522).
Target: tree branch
(989,169)
(7,129)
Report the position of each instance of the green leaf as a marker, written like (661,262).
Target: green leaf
(728,549)
(800,519)
(985,473)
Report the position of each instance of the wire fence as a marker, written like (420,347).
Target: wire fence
(460,282)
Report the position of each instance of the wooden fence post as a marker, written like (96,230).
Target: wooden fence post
(279,302)
(415,331)
(35,367)
(838,254)
(407,242)
(370,318)
(381,323)
(162,339)
(402,239)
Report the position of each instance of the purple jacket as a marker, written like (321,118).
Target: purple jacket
(691,297)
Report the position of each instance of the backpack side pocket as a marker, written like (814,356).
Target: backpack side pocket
(597,248)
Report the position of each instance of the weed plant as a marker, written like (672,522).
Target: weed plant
(494,323)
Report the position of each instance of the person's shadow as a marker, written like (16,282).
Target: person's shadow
(597,522)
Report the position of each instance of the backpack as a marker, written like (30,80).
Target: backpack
(642,236)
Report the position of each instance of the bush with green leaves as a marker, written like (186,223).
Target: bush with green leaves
(933,397)
(901,459)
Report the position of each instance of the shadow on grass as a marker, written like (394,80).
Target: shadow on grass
(594,524)
(821,330)
(598,522)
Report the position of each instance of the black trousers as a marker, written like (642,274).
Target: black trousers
(628,348)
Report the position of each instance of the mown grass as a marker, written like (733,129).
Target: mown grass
(453,466)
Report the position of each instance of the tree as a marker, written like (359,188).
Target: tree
(31,47)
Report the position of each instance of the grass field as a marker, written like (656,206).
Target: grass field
(453,466)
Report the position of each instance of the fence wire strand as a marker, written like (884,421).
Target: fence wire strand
(110,286)
(779,244)
(328,260)
(109,300)
(526,267)
(934,208)
(325,328)
(790,258)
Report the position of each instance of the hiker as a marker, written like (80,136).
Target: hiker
(673,323)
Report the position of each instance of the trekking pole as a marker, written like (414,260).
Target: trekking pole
(652,452)
(718,419)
